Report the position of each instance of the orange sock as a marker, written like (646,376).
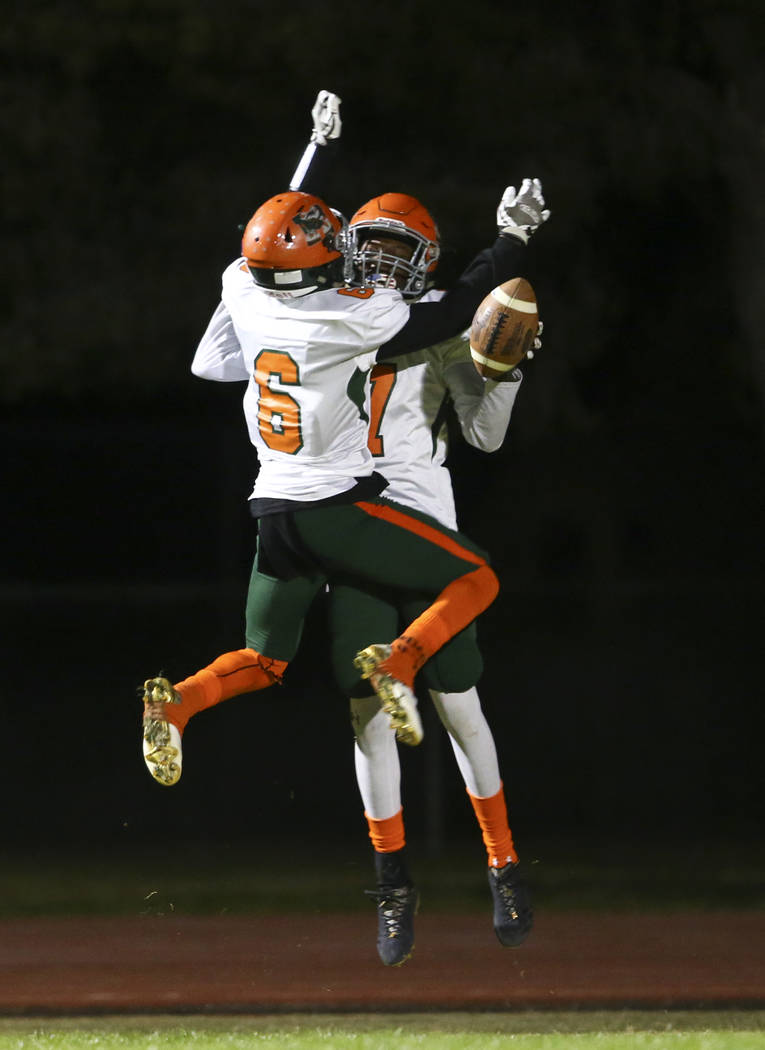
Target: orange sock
(497,837)
(243,671)
(457,605)
(387,835)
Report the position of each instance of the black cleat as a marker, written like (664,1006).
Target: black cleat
(513,916)
(396,909)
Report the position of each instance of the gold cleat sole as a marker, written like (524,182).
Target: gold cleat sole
(401,711)
(397,700)
(162,749)
(159,691)
(368,660)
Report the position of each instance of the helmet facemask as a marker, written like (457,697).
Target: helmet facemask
(384,258)
(394,244)
(383,261)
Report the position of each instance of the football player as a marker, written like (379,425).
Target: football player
(303,343)
(396,243)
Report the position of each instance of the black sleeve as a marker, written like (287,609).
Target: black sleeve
(431,323)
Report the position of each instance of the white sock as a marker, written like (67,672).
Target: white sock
(472,740)
(378,772)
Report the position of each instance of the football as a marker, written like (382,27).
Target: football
(504,328)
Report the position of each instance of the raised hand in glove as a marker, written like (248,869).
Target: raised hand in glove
(520,214)
(326,118)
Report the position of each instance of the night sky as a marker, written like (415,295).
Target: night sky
(624,514)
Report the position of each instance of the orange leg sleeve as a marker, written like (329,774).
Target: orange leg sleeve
(492,817)
(387,835)
(242,671)
(457,605)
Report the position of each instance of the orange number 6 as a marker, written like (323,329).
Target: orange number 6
(278,413)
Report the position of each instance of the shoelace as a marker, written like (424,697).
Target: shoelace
(392,905)
(506,887)
(507,893)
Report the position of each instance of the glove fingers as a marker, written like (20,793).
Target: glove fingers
(326,118)
(523,212)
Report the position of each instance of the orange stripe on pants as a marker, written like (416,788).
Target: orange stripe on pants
(421,528)
(458,604)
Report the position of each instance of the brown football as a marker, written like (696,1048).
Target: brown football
(504,328)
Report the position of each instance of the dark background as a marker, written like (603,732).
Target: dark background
(624,513)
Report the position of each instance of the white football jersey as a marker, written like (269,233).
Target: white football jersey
(406,401)
(304,359)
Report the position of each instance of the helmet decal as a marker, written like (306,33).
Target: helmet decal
(295,243)
(314,223)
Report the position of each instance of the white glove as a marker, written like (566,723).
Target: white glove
(326,118)
(537,342)
(521,213)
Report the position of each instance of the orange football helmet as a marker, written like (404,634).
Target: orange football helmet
(295,243)
(395,217)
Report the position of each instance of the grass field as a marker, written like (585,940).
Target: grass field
(234,880)
(529,1031)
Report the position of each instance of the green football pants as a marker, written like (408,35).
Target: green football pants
(371,546)
(358,617)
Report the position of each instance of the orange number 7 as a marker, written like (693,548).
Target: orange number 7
(382,379)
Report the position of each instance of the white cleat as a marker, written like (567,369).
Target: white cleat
(396,698)
(162,749)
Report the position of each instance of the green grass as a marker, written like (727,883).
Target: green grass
(530,1031)
(232,878)
(235,879)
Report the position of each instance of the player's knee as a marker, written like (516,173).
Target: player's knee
(486,584)
(453,671)
(368,725)
(348,680)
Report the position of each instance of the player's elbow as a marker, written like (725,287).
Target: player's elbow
(203,368)
(489,446)
(484,442)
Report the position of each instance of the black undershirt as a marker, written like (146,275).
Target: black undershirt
(365,488)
